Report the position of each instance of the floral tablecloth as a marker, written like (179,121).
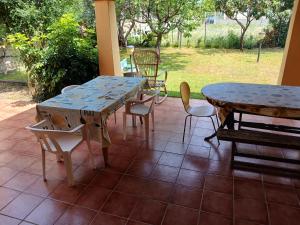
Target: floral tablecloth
(266,100)
(91,103)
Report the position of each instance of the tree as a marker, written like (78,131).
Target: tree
(249,9)
(279,14)
(30,16)
(163,16)
(125,20)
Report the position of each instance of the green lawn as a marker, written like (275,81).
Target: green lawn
(14,75)
(200,67)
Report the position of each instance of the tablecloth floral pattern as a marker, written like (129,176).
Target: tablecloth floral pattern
(91,103)
(266,100)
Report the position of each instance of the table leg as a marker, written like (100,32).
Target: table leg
(105,156)
(230,125)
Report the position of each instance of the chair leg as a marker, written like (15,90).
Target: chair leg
(213,123)
(152,117)
(133,121)
(68,166)
(124,125)
(190,122)
(147,127)
(141,120)
(184,128)
(115,115)
(217,121)
(92,160)
(44,164)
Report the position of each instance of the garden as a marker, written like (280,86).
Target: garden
(53,43)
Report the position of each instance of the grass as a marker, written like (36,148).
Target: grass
(200,67)
(17,75)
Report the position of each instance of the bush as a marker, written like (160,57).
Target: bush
(231,41)
(65,55)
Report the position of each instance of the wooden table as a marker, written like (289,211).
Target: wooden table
(92,103)
(262,100)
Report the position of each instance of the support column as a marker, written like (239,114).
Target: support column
(290,67)
(107,37)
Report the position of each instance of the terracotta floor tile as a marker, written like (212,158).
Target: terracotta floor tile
(25,223)
(76,216)
(279,194)
(283,214)
(106,179)
(64,192)
(5,220)
(47,212)
(42,188)
(170,159)
(21,206)
(21,181)
(199,151)
(104,219)
(213,219)
(247,175)
(278,180)
(6,174)
(246,222)
(165,173)
(219,203)
(195,163)
(84,174)
(131,185)
(176,148)
(7,144)
(190,178)
(130,222)
(119,204)
(252,210)
(177,215)
(158,190)
(141,168)
(249,189)
(197,140)
(149,211)
(218,184)
(93,197)
(149,156)
(187,197)
(21,162)
(7,195)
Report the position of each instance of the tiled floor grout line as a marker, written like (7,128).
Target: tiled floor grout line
(266,200)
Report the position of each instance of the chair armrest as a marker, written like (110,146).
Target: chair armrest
(35,129)
(163,72)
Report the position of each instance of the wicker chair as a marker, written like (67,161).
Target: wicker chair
(147,62)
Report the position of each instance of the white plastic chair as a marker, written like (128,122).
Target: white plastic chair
(60,142)
(136,107)
(68,88)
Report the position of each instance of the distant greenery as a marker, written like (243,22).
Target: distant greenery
(17,75)
(65,55)
(231,41)
(200,67)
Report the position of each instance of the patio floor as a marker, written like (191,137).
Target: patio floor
(162,182)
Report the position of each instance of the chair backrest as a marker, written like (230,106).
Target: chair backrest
(45,134)
(68,88)
(185,93)
(146,62)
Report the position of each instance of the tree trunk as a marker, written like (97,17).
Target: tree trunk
(121,37)
(158,42)
(242,39)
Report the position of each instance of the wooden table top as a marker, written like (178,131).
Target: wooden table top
(267,96)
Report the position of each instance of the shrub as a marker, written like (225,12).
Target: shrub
(65,55)
(231,41)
